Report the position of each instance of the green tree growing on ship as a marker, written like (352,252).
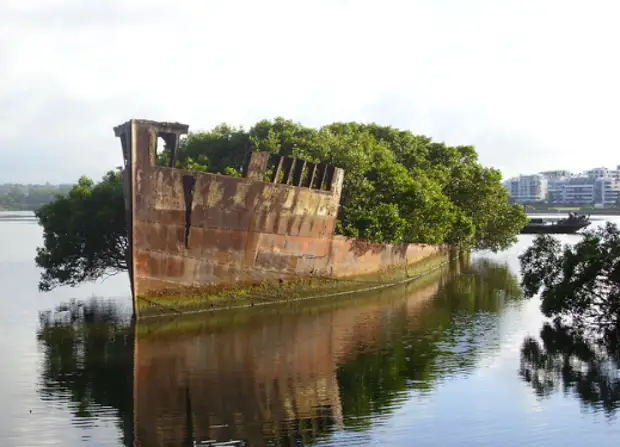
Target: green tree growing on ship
(398,188)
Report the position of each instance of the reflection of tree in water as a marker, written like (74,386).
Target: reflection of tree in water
(89,365)
(585,367)
(305,430)
(87,360)
(444,339)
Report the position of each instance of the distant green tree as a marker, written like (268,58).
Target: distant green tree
(28,197)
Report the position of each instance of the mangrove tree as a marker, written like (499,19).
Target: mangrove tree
(398,188)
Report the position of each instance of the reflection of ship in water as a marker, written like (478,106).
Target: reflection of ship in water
(285,375)
(274,377)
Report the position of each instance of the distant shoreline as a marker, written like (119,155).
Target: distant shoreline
(9,214)
(5,210)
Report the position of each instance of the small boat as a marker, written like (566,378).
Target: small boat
(570,225)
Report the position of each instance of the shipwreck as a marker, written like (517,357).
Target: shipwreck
(202,241)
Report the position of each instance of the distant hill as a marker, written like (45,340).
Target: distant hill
(19,197)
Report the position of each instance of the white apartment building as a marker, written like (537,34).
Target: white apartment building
(527,188)
(598,186)
(607,191)
(597,173)
(555,193)
(578,191)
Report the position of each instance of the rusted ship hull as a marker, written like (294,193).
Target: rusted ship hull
(200,241)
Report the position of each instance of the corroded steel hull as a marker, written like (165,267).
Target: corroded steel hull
(194,236)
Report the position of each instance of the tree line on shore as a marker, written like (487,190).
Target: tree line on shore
(398,188)
(20,197)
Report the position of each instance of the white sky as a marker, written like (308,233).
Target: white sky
(532,84)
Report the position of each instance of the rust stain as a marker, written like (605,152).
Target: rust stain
(215,194)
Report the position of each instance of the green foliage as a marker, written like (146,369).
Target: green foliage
(579,284)
(398,188)
(84,233)
(213,151)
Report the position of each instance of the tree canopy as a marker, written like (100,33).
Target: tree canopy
(579,284)
(398,188)
(84,233)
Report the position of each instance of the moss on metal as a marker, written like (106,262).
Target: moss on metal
(181,300)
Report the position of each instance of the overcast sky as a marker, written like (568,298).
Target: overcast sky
(533,84)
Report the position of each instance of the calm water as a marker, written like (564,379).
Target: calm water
(435,364)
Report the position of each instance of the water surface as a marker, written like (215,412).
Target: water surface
(436,363)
